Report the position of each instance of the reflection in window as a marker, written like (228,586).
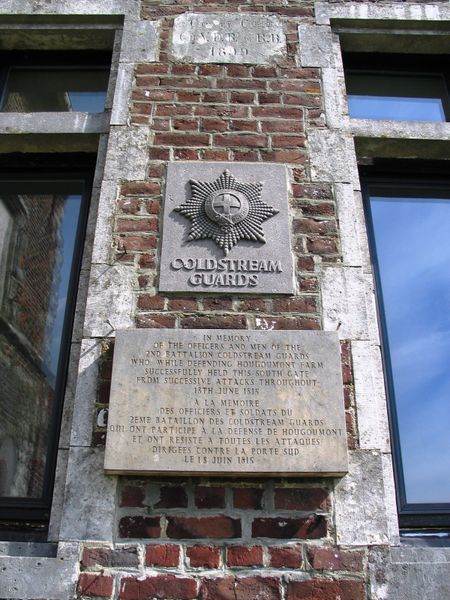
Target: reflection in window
(412,244)
(395,96)
(39,89)
(38,255)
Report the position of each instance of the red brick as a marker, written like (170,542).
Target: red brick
(288,557)
(247,498)
(155,321)
(322,245)
(269,98)
(326,589)
(214,322)
(159,154)
(147,261)
(183,69)
(280,112)
(140,188)
(331,559)
(147,81)
(211,70)
(245,588)
(130,206)
(95,584)
(139,527)
(302,499)
(164,587)
(241,125)
(264,71)
(285,156)
(130,243)
(132,495)
(207,557)
(314,226)
(185,154)
(309,284)
(221,303)
(288,141)
(312,527)
(238,71)
(214,154)
(183,304)
(203,527)
(305,304)
(243,97)
(213,124)
(172,110)
(153,207)
(125,556)
(162,555)
(185,124)
(242,139)
(149,68)
(241,84)
(209,497)
(284,323)
(188,96)
(172,496)
(287,126)
(305,263)
(214,96)
(147,302)
(247,155)
(295,85)
(187,82)
(181,139)
(245,556)
(135,225)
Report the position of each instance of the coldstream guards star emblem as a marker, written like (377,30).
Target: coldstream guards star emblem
(226,211)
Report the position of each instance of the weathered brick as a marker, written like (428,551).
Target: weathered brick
(132,495)
(172,496)
(95,584)
(312,527)
(207,557)
(241,139)
(326,589)
(245,588)
(147,261)
(148,302)
(135,225)
(245,556)
(222,303)
(214,322)
(180,139)
(125,556)
(305,304)
(322,245)
(283,323)
(302,499)
(332,559)
(203,527)
(247,498)
(162,555)
(140,188)
(155,321)
(134,243)
(164,587)
(314,226)
(139,527)
(289,557)
(278,112)
(209,497)
(182,304)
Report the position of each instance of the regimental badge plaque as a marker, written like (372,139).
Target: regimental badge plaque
(226,230)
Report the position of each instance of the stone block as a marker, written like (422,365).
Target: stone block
(139,42)
(316,46)
(342,167)
(127,154)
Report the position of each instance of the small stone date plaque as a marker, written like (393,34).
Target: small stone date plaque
(226,402)
(228,38)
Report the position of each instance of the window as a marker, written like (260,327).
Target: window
(55,82)
(409,223)
(394,87)
(43,217)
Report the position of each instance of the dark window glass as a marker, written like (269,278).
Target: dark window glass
(411,243)
(42,224)
(396,88)
(49,82)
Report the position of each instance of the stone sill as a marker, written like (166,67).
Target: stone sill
(53,123)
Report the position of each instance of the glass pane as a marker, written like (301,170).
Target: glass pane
(396,97)
(413,250)
(37,256)
(55,89)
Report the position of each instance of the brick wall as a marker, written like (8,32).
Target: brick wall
(213,538)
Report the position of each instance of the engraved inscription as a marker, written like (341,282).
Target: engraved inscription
(228,38)
(201,401)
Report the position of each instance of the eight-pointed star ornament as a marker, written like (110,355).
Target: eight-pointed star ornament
(226,211)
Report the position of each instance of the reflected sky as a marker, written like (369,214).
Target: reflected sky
(393,108)
(413,249)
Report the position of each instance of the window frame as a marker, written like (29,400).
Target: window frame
(31,515)
(401,174)
(414,65)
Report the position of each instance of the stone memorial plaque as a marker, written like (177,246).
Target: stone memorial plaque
(222,38)
(226,229)
(226,402)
